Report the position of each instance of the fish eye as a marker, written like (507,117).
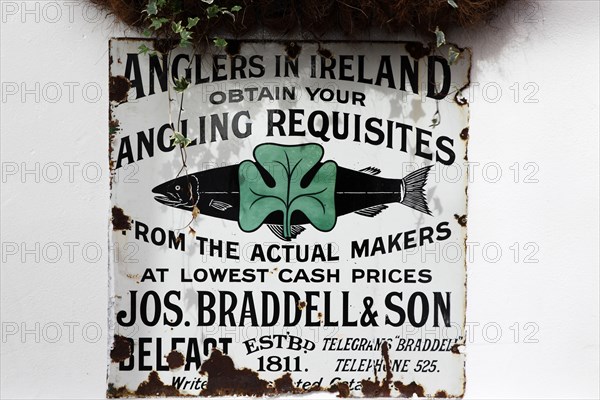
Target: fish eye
(177,187)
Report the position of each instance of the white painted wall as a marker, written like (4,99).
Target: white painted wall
(53,309)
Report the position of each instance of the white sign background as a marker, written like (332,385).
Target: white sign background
(445,191)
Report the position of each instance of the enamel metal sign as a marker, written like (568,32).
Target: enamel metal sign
(287,218)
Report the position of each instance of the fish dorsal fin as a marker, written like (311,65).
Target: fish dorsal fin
(371,211)
(219,205)
(278,231)
(370,171)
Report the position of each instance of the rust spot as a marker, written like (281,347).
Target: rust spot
(375,389)
(113,126)
(440,394)
(464,135)
(325,53)
(292,50)
(233,48)
(455,349)
(344,390)
(155,387)
(118,392)
(417,50)
(301,305)
(285,384)
(121,349)
(120,221)
(226,380)
(461,101)
(385,353)
(410,389)
(175,359)
(462,219)
(118,88)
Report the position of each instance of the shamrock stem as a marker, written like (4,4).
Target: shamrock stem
(287,227)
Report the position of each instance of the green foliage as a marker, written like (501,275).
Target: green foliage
(181,84)
(143,49)
(163,20)
(112,130)
(178,138)
(287,165)
(440,37)
(157,23)
(152,8)
(220,42)
(161,14)
(453,55)
(214,11)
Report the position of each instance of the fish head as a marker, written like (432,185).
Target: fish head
(180,192)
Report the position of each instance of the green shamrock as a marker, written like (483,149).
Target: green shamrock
(287,165)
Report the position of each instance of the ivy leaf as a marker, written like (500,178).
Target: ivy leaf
(181,84)
(287,165)
(453,3)
(212,11)
(192,22)
(192,231)
(220,42)
(195,213)
(453,55)
(178,138)
(152,8)
(236,8)
(143,49)
(440,37)
(185,35)
(157,23)
(177,27)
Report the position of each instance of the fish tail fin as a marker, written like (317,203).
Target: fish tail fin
(413,190)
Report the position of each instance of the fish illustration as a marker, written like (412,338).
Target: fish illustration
(327,193)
